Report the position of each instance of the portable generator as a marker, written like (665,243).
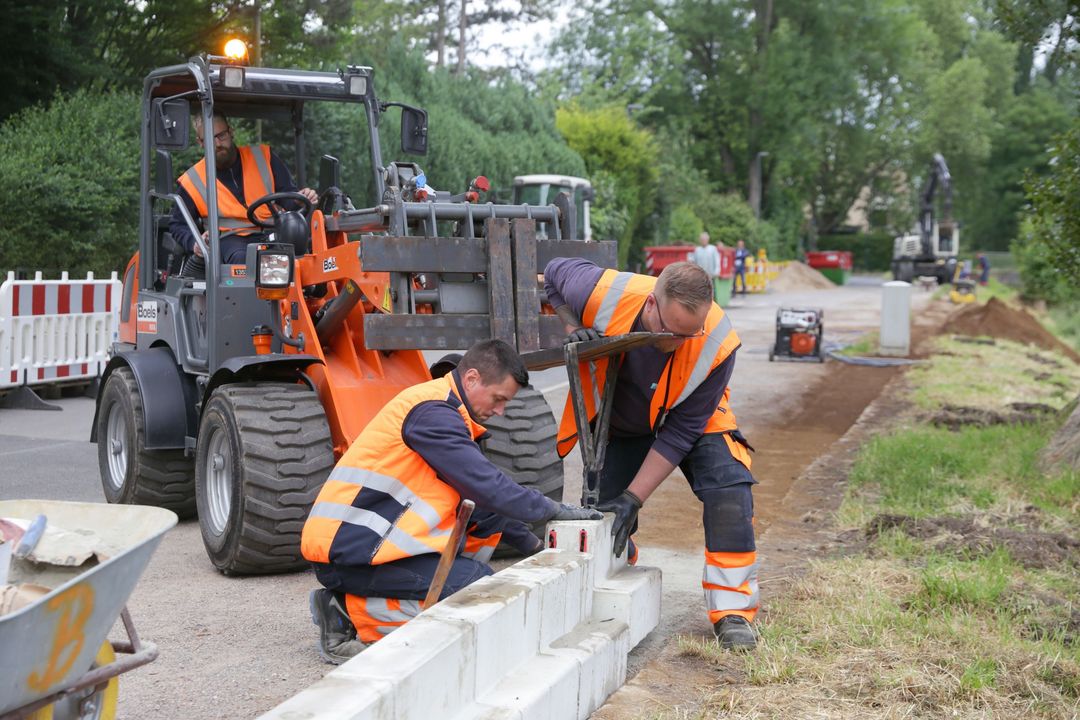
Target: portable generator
(798,335)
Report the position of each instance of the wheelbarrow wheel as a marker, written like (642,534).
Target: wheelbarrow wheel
(131,474)
(522,444)
(262,454)
(89,704)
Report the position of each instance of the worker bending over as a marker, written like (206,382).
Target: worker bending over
(386,512)
(670,409)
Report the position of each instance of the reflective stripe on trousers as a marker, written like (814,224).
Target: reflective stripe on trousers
(730,583)
(375,618)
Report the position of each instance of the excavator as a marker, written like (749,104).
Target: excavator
(931,249)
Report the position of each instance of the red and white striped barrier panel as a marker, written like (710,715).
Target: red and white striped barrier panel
(56,330)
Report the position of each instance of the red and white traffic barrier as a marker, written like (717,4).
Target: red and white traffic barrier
(56,330)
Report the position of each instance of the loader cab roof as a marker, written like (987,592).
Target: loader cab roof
(260,86)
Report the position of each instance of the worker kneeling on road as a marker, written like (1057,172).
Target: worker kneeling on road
(670,409)
(386,512)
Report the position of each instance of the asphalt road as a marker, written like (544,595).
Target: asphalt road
(235,647)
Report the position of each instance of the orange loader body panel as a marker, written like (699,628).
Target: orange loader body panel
(354,383)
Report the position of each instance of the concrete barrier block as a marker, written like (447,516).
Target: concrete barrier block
(545,688)
(589,536)
(505,615)
(428,663)
(600,649)
(632,596)
(560,580)
(341,695)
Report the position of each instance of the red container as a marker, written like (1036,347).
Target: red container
(840,259)
(727,262)
(658,257)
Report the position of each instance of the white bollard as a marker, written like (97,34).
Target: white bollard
(895,318)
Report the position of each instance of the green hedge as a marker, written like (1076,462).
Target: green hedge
(871,252)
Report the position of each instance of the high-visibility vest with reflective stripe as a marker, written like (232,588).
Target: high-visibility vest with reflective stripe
(612,308)
(232,214)
(383,502)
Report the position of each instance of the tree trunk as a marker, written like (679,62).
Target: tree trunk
(462,25)
(763,11)
(440,35)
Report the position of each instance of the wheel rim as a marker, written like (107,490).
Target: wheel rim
(116,445)
(219,480)
(88,703)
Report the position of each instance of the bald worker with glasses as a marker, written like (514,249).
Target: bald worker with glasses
(670,409)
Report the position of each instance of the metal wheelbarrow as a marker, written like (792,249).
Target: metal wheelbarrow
(55,659)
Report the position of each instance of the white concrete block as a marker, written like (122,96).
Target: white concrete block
(600,649)
(429,662)
(632,596)
(339,696)
(589,536)
(560,581)
(545,688)
(505,614)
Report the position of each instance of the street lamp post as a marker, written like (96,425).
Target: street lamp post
(757,185)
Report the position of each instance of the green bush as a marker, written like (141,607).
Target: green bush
(71,178)
(686,227)
(1041,271)
(871,252)
(610,142)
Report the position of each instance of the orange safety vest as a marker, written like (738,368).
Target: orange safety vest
(612,308)
(232,214)
(383,502)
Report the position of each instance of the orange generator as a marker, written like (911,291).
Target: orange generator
(798,335)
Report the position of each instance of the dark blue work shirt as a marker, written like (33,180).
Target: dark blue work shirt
(434,430)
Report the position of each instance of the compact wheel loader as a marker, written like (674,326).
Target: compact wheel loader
(233,389)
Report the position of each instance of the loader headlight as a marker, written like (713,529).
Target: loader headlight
(232,76)
(357,85)
(273,271)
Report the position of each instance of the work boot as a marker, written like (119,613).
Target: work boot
(733,632)
(337,636)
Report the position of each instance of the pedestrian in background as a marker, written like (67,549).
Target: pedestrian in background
(984,268)
(707,257)
(742,257)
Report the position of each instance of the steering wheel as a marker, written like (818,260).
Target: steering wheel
(269,200)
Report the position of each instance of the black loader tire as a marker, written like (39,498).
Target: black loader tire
(522,444)
(263,453)
(130,474)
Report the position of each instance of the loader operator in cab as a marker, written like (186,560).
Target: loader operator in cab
(670,409)
(381,520)
(244,174)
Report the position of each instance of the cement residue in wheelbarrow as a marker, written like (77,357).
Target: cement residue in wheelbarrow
(47,645)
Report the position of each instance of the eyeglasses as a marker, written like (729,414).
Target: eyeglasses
(663,328)
(221,136)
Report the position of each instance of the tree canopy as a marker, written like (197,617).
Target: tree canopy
(773,121)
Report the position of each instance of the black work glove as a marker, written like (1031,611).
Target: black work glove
(625,507)
(573,512)
(581,335)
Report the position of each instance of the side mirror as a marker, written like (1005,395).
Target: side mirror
(170,123)
(589,194)
(413,131)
